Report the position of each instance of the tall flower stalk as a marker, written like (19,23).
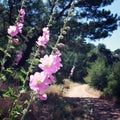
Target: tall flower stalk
(64,29)
(13,31)
(6,54)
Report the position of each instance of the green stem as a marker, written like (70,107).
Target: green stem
(53,12)
(28,106)
(5,56)
(26,79)
(64,25)
(31,66)
(23,5)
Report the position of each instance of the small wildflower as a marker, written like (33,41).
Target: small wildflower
(21,20)
(43,40)
(13,30)
(38,82)
(15,40)
(19,56)
(50,64)
(72,71)
(43,96)
(22,12)
(42,52)
(61,45)
(19,27)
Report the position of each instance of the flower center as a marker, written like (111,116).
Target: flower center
(47,65)
(39,81)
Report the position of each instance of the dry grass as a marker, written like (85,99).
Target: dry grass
(61,89)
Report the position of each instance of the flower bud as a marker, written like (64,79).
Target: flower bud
(67,28)
(61,37)
(61,45)
(64,32)
(65,20)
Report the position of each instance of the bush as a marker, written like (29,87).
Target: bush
(113,88)
(98,75)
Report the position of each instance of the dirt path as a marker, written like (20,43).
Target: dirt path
(82,90)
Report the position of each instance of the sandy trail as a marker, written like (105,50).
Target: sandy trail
(82,90)
(72,89)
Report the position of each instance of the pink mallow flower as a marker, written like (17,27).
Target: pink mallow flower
(45,31)
(43,96)
(42,52)
(19,56)
(61,45)
(72,71)
(40,81)
(19,27)
(50,64)
(22,12)
(16,40)
(13,30)
(43,40)
(21,20)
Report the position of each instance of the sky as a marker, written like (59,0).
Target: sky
(112,42)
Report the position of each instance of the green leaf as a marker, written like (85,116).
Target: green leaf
(9,70)
(10,93)
(36,61)
(23,71)
(7,54)
(12,47)
(3,77)
(9,37)
(26,102)
(1,49)
(21,78)
(6,119)
(21,89)
(17,110)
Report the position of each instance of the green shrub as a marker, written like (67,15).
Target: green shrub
(98,75)
(113,88)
